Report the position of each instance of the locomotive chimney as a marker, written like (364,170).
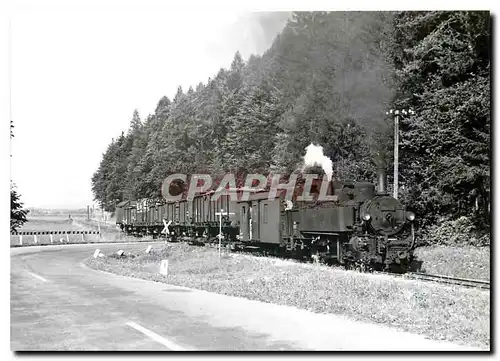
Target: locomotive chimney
(381,180)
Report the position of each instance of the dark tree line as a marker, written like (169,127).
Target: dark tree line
(329,78)
(443,69)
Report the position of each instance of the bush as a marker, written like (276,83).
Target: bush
(458,232)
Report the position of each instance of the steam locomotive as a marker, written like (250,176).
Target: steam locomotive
(361,226)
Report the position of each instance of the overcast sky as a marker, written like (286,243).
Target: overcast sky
(76,79)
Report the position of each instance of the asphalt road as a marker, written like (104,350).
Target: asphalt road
(57,303)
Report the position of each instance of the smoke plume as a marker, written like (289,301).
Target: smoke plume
(314,156)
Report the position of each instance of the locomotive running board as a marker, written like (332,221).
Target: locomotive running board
(322,233)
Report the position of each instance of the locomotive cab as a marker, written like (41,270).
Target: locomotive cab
(354,192)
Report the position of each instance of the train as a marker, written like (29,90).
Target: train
(361,226)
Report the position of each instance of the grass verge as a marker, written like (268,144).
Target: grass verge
(464,262)
(449,313)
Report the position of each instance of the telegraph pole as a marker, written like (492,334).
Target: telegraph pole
(396,113)
(396,155)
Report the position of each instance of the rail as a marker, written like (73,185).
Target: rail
(466,282)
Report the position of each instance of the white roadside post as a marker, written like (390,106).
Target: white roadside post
(36,241)
(96,253)
(148,249)
(164,267)
(51,238)
(67,237)
(20,239)
(220,227)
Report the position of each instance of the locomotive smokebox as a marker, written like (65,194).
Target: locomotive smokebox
(381,180)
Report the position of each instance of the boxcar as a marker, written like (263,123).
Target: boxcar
(260,218)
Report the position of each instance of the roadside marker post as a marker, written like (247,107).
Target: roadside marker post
(21,240)
(164,267)
(83,239)
(36,241)
(67,237)
(51,238)
(96,253)
(148,249)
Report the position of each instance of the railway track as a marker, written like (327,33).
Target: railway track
(465,282)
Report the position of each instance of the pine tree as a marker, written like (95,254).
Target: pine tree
(138,138)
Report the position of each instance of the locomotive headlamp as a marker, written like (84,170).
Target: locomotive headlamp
(410,216)
(366,217)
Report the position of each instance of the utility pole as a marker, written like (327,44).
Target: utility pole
(396,155)
(396,113)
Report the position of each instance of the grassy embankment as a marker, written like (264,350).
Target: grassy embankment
(465,262)
(450,313)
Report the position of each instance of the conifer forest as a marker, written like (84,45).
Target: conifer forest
(330,78)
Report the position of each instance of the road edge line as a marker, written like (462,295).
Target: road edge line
(154,336)
(37,276)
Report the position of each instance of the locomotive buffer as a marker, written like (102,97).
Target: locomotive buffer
(220,226)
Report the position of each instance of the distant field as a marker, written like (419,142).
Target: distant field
(58,223)
(48,223)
